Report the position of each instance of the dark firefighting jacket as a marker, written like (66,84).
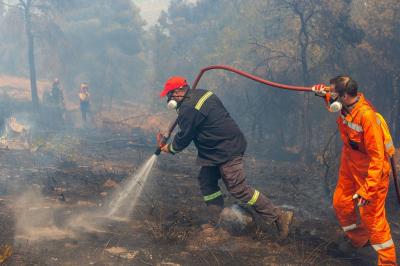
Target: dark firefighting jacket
(203,119)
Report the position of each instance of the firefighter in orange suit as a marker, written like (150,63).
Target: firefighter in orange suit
(364,168)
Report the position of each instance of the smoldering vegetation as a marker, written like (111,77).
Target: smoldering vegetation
(294,42)
(61,175)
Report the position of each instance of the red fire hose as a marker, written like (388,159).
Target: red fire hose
(269,83)
(237,71)
(249,76)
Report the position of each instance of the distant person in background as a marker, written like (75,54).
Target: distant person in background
(84,100)
(57,101)
(57,95)
(54,100)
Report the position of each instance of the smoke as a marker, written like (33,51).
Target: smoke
(235,218)
(35,218)
(39,218)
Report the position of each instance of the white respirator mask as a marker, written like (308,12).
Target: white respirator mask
(334,104)
(172,105)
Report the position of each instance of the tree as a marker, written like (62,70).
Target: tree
(77,41)
(27,6)
(296,42)
(102,44)
(31,9)
(2,9)
(377,59)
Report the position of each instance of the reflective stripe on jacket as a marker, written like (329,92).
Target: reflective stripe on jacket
(203,119)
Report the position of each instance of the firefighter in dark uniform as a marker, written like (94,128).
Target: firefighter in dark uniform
(57,94)
(203,119)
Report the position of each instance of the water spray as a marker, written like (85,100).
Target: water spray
(125,197)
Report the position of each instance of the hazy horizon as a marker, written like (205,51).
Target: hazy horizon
(150,10)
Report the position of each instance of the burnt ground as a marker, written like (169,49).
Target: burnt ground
(42,190)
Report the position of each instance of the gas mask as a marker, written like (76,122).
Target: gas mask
(171,104)
(332,100)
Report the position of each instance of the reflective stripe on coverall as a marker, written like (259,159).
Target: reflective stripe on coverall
(364,169)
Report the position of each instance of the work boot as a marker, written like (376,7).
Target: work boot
(343,248)
(283,223)
(347,245)
(347,248)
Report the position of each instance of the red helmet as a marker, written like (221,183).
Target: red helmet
(173,83)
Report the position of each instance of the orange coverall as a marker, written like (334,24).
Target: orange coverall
(364,170)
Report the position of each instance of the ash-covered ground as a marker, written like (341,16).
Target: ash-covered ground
(53,193)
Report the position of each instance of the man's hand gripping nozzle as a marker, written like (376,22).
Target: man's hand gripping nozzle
(161,142)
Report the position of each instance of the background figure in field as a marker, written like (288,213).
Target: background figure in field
(57,96)
(84,101)
(57,99)
(54,100)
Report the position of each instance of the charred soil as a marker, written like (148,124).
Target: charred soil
(52,196)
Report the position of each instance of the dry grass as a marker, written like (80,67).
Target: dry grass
(127,117)
(19,87)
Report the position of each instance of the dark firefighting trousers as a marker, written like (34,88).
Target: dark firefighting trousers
(232,174)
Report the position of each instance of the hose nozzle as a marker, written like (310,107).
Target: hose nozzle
(158,151)
(161,141)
